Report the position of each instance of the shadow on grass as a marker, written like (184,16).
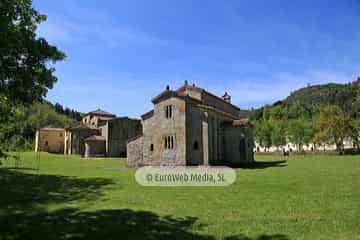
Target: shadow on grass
(22,216)
(261,165)
(25,191)
(106,224)
(261,237)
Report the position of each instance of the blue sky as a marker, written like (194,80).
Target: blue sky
(122,53)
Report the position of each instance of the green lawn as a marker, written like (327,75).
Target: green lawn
(312,197)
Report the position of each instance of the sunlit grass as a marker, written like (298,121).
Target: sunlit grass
(308,197)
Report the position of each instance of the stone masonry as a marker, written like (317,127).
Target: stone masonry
(190,126)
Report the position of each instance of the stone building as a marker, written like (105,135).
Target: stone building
(75,137)
(97,118)
(190,126)
(101,133)
(50,140)
(117,132)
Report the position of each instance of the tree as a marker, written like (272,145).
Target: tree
(300,132)
(25,72)
(20,131)
(59,108)
(355,133)
(263,133)
(356,102)
(333,126)
(278,133)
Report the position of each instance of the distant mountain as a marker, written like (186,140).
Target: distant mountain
(342,95)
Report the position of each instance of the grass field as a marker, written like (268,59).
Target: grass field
(311,197)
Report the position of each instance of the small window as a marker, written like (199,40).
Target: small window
(169,142)
(46,143)
(151,147)
(168,111)
(196,145)
(60,134)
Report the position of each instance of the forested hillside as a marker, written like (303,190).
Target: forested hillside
(342,95)
(19,132)
(318,114)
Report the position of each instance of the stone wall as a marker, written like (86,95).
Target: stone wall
(202,135)
(50,140)
(77,137)
(135,152)
(96,120)
(156,128)
(237,144)
(118,132)
(204,141)
(194,135)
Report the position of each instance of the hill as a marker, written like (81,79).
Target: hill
(314,96)
(19,132)
(342,95)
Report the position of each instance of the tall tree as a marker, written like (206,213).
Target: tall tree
(278,133)
(333,126)
(300,132)
(25,72)
(263,133)
(355,133)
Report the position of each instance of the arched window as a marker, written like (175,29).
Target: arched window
(151,147)
(169,142)
(168,111)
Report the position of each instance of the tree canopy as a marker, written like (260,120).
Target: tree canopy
(26,73)
(322,114)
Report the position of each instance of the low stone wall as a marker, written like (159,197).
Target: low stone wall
(135,152)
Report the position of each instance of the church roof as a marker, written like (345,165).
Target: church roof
(101,113)
(165,94)
(81,125)
(147,114)
(202,90)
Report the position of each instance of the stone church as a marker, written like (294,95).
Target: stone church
(101,134)
(191,126)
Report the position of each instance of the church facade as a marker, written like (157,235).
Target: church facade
(191,126)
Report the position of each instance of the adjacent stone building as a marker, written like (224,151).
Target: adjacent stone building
(101,134)
(117,132)
(97,118)
(50,140)
(191,126)
(75,137)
